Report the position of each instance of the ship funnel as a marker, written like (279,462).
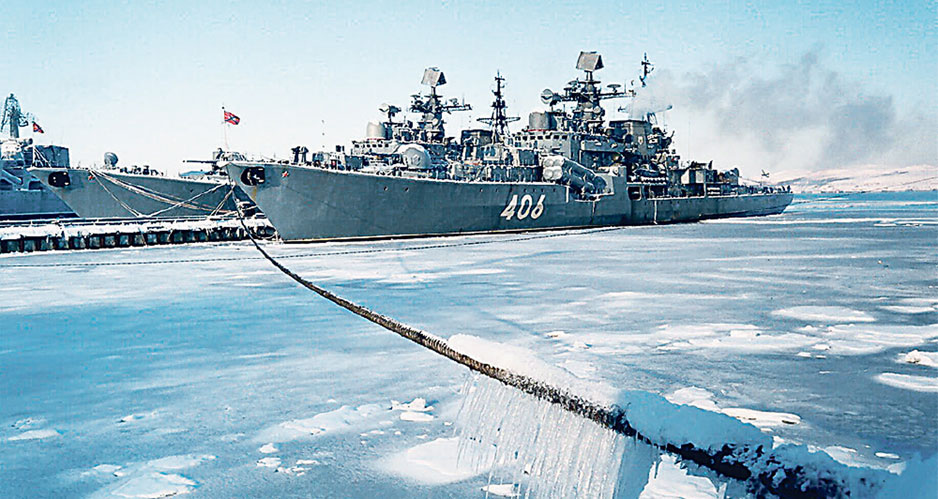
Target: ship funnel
(377,131)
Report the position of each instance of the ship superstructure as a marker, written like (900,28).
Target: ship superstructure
(21,194)
(114,191)
(567,168)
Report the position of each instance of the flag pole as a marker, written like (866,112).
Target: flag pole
(225,126)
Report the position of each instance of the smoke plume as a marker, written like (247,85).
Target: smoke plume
(796,116)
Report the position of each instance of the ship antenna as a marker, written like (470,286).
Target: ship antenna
(647,68)
(499,120)
(13,117)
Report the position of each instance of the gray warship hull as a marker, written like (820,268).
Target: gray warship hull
(32,203)
(311,203)
(108,194)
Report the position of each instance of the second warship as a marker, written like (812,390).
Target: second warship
(22,196)
(142,192)
(565,169)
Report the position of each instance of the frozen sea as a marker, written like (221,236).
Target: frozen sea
(201,369)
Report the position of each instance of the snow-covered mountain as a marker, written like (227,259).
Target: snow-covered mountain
(861,179)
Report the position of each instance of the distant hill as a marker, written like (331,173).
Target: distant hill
(861,179)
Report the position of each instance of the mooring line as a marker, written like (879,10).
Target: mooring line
(758,467)
(422,247)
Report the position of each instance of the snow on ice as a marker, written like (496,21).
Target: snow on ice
(813,332)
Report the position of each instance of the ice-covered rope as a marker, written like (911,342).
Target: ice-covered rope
(763,470)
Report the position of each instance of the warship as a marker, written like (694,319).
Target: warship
(565,169)
(21,195)
(116,191)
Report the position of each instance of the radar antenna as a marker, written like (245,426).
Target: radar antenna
(586,93)
(432,106)
(390,110)
(499,120)
(647,68)
(13,117)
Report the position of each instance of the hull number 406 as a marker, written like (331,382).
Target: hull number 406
(523,209)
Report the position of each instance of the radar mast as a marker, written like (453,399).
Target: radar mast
(432,106)
(499,120)
(13,117)
(586,93)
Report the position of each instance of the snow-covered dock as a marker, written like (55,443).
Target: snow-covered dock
(56,235)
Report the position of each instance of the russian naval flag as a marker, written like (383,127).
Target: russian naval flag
(232,118)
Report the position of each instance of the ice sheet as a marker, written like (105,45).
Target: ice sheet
(133,363)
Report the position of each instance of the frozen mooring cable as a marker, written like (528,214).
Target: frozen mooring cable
(763,469)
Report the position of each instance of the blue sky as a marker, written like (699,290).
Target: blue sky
(147,79)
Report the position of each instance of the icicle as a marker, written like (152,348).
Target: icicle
(549,451)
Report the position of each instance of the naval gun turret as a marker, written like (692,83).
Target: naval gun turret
(422,146)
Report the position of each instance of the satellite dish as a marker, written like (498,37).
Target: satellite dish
(549,97)
(614,86)
(110,159)
(384,107)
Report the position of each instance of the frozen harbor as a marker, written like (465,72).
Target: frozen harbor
(123,373)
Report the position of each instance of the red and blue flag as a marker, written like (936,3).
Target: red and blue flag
(232,118)
(37,128)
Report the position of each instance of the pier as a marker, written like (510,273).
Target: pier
(78,234)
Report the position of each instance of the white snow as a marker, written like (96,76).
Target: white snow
(268,449)
(35,435)
(418,417)
(155,485)
(152,479)
(666,423)
(697,397)
(669,480)
(72,228)
(416,405)
(695,311)
(864,339)
(825,314)
(703,399)
(502,490)
(340,419)
(179,462)
(108,469)
(268,462)
(929,359)
(762,419)
(909,382)
(434,462)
